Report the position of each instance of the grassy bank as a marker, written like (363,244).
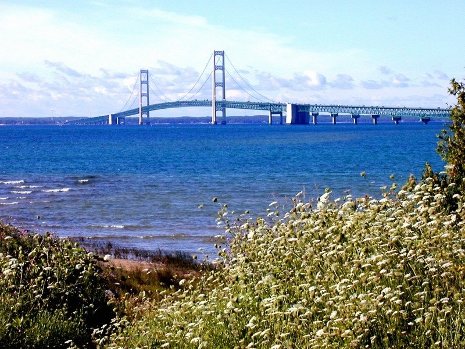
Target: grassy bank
(56,294)
(51,292)
(349,273)
(358,273)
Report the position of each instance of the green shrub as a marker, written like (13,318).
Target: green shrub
(451,145)
(51,292)
(358,273)
(364,273)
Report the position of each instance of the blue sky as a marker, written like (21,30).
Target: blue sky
(83,57)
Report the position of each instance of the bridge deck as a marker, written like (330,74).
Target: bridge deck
(279,108)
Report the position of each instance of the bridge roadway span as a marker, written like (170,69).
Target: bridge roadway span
(295,113)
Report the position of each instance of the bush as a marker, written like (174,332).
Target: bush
(452,142)
(364,273)
(51,292)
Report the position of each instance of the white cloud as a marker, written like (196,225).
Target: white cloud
(64,69)
(343,81)
(374,85)
(170,17)
(385,70)
(35,35)
(75,66)
(400,80)
(441,75)
(315,80)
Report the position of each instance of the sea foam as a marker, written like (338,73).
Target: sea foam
(22,192)
(58,190)
(12,182)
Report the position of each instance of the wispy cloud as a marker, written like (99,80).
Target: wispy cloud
(170,17)
(400,80)
(441,75)
(385,70)
(62,68)
(342,81)
(391,80)
(374,85)
(75,65)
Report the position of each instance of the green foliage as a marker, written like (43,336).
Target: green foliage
(51,292)
(452,142)
(351,273)
(362,273)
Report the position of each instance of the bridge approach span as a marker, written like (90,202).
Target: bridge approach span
(306,113)
(373,110)
(295,113)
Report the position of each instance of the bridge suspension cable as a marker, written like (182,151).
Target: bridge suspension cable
(134,102)
(161,95)
(132,93)
(203,84)
(242,88)
(247,83)
(195,84)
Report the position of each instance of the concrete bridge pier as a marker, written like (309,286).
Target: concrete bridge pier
(425,119)
(270,116)
(355,118)
(115,120)
(294,116)
(333,118)
(396,119)
(315,118)
(374,119)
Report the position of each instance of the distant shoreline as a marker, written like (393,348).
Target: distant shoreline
(185,120)
(252,119)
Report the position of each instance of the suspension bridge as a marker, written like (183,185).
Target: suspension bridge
(290,113)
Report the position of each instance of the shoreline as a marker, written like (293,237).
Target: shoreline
(107,248)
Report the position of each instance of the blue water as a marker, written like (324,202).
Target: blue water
(152,187)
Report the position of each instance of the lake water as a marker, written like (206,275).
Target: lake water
(152,187)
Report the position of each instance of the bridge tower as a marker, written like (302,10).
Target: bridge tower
(144,96)
(218,80)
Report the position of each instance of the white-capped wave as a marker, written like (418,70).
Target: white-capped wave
(22,192)
(108,226)
(82,181)
(4,198)
(114,226)
(28,186)
(21,181)
(58,190)
(9,203)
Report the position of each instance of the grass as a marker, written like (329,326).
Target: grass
(56,294)
(344,273)
(348,273)
(51,292)
(352,273)
(150,276)
(178,258)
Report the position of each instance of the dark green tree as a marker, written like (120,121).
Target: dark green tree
(451,144)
